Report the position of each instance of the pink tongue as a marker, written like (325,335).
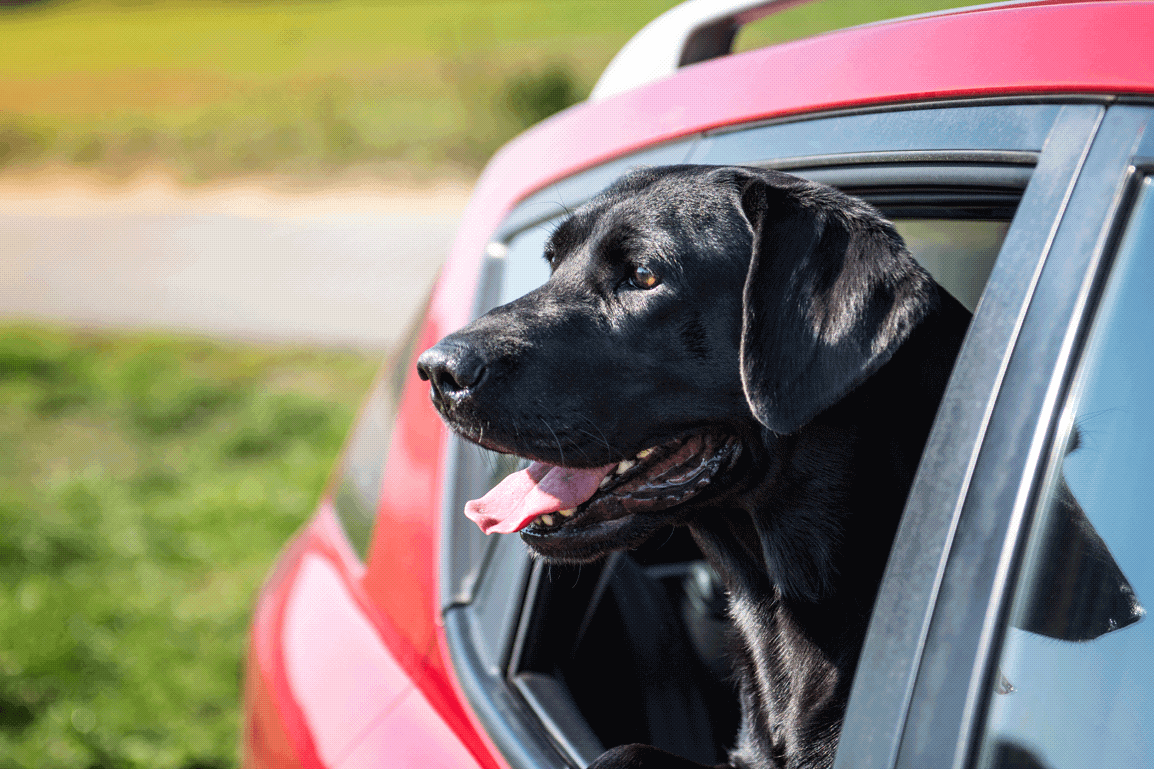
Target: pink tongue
(534,491)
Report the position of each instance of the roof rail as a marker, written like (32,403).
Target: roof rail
(686,34)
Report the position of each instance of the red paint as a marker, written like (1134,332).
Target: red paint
(401,575)
(412,736)
(275,733)
(1025,50)
(338,670)
(326,670)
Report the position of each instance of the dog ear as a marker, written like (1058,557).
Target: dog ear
(830,294)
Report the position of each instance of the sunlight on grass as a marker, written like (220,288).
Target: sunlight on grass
(209,90)
(146,485)
(225,89)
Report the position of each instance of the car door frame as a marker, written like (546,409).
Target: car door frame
(923,682)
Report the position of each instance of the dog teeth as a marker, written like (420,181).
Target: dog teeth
(608,479)
(644,453)
(547,520)
(569,512)
(624,465)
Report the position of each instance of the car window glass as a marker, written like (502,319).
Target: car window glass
(1075,686)
(959,253)
(525,267)
(355,487)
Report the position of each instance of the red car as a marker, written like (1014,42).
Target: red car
(1013,146)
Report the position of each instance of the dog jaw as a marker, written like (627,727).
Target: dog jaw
(635,499)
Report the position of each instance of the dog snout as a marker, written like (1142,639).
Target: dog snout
(453,369)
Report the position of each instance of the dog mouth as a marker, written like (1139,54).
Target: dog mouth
(545,499)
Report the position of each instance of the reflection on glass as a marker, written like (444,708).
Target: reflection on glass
(1078,658)
(356,487)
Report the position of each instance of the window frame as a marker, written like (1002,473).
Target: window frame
(940,619)
(531,725)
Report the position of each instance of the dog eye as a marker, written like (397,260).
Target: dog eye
(644,278)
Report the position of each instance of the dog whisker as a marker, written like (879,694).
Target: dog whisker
(560,450)
(600,435)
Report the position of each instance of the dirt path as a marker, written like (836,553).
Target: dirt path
(346,266)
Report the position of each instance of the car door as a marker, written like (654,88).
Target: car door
(1003,636)
(549,656)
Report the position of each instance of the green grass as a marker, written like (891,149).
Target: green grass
(309,89)
(303,88)
(146,484)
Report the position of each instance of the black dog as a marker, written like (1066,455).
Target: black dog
(741,351)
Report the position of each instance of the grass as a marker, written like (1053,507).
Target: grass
(146,484)
(303,88)
(212,89)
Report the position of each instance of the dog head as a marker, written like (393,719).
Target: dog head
(692,314)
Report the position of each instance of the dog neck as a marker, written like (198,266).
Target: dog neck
(802,550)
(822,505)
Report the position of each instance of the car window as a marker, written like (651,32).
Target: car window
(561,662)
(512,268)
(579,621)
(525,265)
(959,253)
(1075,685)
(355,487)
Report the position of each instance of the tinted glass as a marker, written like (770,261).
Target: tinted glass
(355,488)
(525,269)
(1076,682)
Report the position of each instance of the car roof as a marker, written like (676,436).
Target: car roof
(1009,51)
(698,30)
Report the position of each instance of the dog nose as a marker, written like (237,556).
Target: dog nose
(452,368)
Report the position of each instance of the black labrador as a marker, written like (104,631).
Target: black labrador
(749,354)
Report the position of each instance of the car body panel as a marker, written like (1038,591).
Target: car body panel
(382,663)
(330,678)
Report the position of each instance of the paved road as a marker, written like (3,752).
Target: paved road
(345,269)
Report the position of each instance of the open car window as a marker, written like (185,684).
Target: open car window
(563,662)
(637,647)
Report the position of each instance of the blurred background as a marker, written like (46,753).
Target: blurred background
(216,219)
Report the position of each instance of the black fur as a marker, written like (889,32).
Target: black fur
(789,317)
